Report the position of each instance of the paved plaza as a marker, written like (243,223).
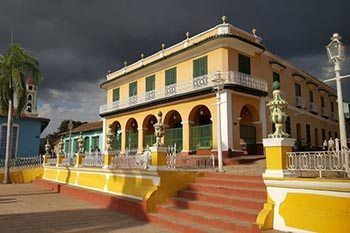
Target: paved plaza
(26,208)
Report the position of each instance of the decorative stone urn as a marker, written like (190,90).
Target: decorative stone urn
(159,130)
(278,116)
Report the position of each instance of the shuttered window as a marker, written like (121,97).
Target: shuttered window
(170,76)
(297,89)
(243,64)
(275,77)
(200,66)
(116,94)
(133,88)
(150,83)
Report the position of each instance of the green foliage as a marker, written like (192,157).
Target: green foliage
(15,65)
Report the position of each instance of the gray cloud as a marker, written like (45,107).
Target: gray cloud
(76,42)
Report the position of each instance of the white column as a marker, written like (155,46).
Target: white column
(226,120)
(103,134)
(262,112)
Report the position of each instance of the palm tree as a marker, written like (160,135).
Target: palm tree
(14,66)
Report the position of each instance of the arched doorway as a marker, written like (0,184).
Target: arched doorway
(148,130)
(201,129)
(173,132)
(131,135)
(248,134)
(117,140)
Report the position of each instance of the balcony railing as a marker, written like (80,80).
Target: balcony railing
(334,116)
(313,107)
(324,113)
(299,101)
(194,84)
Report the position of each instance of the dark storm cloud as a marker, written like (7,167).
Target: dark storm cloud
(76,42)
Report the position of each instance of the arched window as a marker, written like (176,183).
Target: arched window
(30,97)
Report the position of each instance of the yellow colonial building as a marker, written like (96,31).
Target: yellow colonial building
(179,81)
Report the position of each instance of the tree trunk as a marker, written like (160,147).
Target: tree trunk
(7,179)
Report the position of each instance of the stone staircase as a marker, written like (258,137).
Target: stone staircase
(217,202)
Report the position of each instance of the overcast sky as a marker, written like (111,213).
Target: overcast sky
(77,42)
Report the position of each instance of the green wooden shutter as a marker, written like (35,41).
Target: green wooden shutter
(133,88)
(200,66)
(116,94)
(243,64)
(86,144)
(170,76)
(75,145)
(150,83)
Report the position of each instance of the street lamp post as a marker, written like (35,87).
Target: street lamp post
(218,86)
(70,127)
(336,51)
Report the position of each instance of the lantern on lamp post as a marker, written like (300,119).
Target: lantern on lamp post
(336,54)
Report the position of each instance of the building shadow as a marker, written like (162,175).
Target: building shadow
(78,220)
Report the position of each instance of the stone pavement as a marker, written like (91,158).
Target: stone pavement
(27,208)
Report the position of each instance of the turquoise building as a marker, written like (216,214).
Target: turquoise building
(92,134)
(26,129)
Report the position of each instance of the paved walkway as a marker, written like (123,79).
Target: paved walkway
(26,208)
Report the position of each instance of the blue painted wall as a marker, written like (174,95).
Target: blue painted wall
(29,136)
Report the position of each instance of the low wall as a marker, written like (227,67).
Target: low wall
(23,174)
(152,187)
(306,205)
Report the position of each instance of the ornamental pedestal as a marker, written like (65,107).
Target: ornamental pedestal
(276,156)
(158,155)
(60,158)
(108,156)
(46,159)
(79,159)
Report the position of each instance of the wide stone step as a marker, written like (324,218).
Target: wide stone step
(232,183)
(245,202)
(227,190)
(240,213)
(206,219)
(180,224)
(229,176)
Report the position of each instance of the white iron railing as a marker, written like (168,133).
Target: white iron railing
(193,84)
(188,162)
(139,161)
(93,159)
(319,161)
(23,162)
(51,162)
(69,160)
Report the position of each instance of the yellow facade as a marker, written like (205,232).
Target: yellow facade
(244,107)
(154,187)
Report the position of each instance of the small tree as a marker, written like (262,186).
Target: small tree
(15,65)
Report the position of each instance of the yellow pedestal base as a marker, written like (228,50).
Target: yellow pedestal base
(158,156)
(79,159)
(108,156)
(60,158)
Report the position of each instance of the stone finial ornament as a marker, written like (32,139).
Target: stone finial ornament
(278,116)
(47,147)
(61,146)
(125,63)
(163,46)
(187,35)
(159,129)
(109,136)
(81,143)
(224,19)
